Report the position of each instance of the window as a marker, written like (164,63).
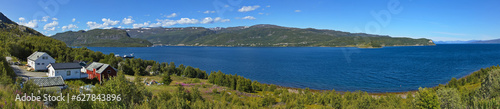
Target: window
(109,71)
(43,63)
(37,63)
(68,73)
(45,57)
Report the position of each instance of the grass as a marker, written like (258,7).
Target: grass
(203,86)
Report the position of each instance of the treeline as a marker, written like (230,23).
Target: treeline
(481,89)
(6,72)
(150,67)
(239,83)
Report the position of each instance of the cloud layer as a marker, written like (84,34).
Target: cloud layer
(182,21)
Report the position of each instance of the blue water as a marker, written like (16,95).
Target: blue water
(388,69)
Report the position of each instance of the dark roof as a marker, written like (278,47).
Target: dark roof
(65,65)
(48,81)
(99,67)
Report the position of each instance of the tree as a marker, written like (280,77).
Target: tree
(449,98)
(189,72)
(166,79)
(426,99)
(491,84)
(196,94)
(453,83)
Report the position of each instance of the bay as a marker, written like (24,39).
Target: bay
(388,69)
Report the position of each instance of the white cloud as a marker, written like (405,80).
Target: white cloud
(157,24)
(218,19)
(268,6)
(31,24)
(298,11)
(106,24)
(45,18)
(21,19)
(208,12)
(187,21)
(110,22)
(140,25)
(248,8)
(73,20)
(208,20)
(167,22)
(171,15)
(128,20)
(54,19)
(93,25)
(70,26)
(51,26)
(249,18)
(261,13)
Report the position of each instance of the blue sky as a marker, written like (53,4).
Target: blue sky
(438,20)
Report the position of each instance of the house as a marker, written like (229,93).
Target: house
(100,71)
(66,70)
(39,61)
(46,82)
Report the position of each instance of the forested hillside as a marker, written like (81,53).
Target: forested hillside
(101,38)
(257,35)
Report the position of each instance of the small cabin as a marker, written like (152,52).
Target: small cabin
(100,71)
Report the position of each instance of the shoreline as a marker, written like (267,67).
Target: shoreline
(373,93)
(265,46)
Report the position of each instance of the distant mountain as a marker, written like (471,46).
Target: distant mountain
(4,19)
(494,41)
(101,38)
(257,35)
(454,42)
(17,30)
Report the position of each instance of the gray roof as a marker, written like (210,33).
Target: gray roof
(99,67)
(65,65)
(35,55)
(48,81)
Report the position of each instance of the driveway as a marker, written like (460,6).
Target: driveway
(25,74)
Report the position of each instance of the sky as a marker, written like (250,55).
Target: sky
(439,20)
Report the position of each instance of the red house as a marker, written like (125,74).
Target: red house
(100,71)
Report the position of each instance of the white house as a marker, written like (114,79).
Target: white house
(39,61)
(66,70)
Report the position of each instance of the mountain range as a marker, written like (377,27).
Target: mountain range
(265,35)
(101,38)
(493,41)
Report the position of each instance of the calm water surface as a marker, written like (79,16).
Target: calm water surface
(389,69)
